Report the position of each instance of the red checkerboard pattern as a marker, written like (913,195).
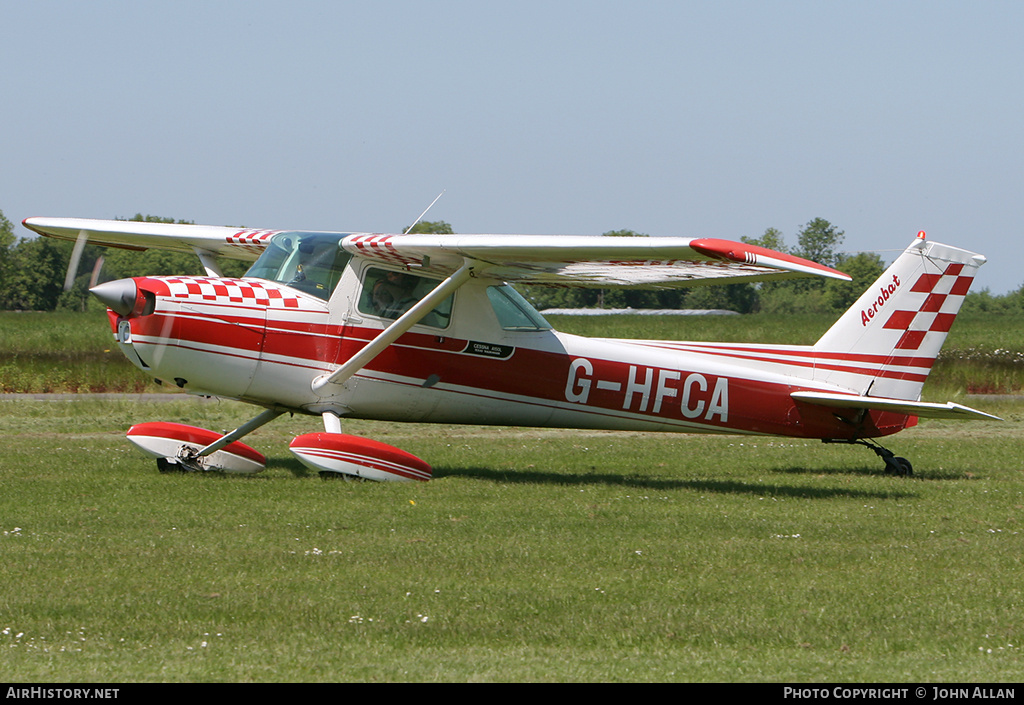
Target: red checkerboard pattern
(254,241)
(943,290)
(230,291)
(380,248)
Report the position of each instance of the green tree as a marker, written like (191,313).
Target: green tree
(32,270)
(772,239)
(7,238)
(432,227)
(984,301)
(819,242)
(119,264)
(35,276)
(864,267)
(741,297)
(7,242)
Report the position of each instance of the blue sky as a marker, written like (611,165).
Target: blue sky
(696,119)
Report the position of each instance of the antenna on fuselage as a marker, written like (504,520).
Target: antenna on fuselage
(424,212)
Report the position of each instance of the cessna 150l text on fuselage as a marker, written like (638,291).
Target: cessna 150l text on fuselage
(427,328)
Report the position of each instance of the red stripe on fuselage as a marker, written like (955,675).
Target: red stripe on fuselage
(810,359)
(804,354)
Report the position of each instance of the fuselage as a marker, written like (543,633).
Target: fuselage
(264,343)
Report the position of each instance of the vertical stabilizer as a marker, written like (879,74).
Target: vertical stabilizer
(885,345)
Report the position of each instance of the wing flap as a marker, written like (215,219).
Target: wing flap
(949,410)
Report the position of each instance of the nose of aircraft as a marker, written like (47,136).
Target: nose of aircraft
(119,295)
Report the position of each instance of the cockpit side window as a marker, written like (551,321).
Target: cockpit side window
(310,262)
(389,294)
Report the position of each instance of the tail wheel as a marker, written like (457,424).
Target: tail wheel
(894,464)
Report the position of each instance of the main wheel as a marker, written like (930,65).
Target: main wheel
(166,465)
(900,467)
(343,476)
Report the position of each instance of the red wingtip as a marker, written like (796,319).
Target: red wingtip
(745,253)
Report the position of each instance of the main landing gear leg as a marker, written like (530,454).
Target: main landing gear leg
(332,424)
(178,447)
(894,464)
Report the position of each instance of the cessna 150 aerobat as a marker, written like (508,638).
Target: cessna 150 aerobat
(427,328)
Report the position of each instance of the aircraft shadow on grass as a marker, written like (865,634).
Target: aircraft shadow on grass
(660,484)
(737,487)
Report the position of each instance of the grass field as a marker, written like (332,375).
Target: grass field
(533,556)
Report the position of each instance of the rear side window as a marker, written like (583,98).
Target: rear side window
(513,311)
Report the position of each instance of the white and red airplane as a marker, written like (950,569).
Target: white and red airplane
(426,328)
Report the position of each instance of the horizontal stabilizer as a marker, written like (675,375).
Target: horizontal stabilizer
(949,410)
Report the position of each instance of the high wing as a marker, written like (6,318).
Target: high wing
(566,260)
(571,260)
(234,243)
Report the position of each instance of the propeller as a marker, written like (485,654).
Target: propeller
(96,269)
(76,256)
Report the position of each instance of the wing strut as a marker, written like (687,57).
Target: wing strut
(209,262)
(243,430)
(394,331)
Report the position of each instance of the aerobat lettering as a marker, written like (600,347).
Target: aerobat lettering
(652,390)
(884,294)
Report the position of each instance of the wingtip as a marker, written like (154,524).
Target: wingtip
(36,224)
(745,253)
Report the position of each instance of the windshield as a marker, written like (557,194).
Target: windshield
(310,262)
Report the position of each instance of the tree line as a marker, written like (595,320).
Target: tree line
(33,270)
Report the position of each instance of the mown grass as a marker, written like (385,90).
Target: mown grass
(64,352)
(535,555)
